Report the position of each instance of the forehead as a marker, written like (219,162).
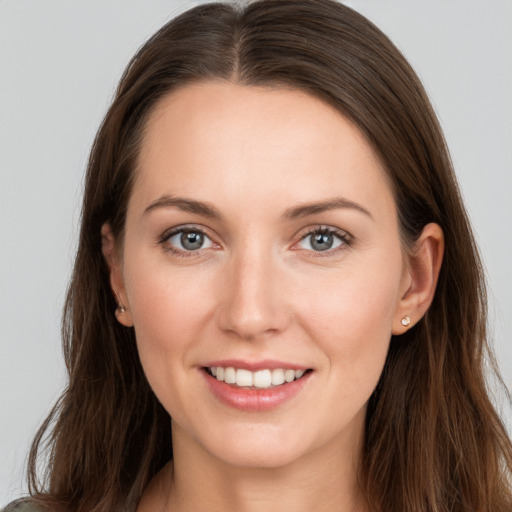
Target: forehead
(221,140)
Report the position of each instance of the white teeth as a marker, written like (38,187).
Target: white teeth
(277,377)
(244,378)
(289,375)
(260,379)
(229,375)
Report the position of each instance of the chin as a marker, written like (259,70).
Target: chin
(261,457)
(254,447)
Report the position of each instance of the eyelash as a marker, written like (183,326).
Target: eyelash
(164,240)
(344,237)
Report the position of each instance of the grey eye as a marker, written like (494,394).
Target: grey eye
(190,240)
(321,241)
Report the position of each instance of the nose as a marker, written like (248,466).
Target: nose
(253,297)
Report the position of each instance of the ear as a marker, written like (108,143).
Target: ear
(111,255)
(423,266)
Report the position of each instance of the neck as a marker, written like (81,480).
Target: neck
(324,480)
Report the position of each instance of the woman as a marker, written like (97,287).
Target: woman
(271,213)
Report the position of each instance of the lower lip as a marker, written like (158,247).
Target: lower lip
(253,399)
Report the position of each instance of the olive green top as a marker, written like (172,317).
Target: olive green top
(22,506)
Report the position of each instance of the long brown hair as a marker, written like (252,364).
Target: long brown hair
(433,440)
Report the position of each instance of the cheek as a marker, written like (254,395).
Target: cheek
(359,301)
(169,310)
(350,317)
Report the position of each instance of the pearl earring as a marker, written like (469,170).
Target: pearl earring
(120,308)
(406,320)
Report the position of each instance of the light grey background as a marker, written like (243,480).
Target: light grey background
(59,64)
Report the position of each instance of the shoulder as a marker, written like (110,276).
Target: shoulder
(23,505)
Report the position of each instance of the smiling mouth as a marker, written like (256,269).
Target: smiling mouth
(261,379)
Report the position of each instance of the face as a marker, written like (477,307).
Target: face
(261,245)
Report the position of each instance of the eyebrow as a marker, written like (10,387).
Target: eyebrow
(335,203)
(297,212)
(186,205)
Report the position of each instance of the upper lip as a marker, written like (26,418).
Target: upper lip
(253,366)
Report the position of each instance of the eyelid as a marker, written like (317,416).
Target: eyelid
(342,234)
(163,239)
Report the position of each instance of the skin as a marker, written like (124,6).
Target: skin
(258,290)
